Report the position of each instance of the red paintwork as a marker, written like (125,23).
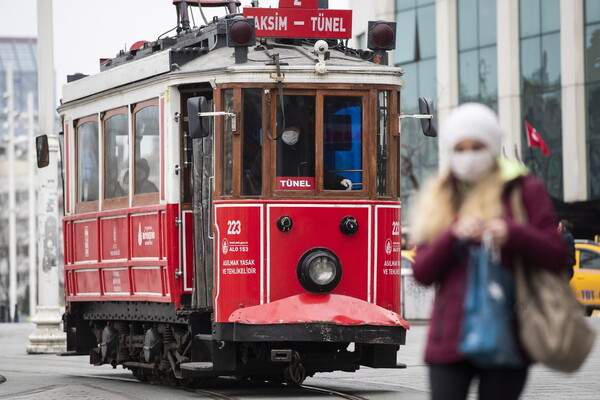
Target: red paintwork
(146,236)
(311,307)
(369,273)
(319,227)
(301,23)
(238,255)
(87,249)
(129,254)
(138,45)
(116,281)
(113,235)
(387,257)
(134,254)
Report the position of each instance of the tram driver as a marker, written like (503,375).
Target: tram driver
(298,161)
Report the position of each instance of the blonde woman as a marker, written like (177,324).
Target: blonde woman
(453,211)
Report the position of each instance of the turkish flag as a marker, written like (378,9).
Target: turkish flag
(535,140)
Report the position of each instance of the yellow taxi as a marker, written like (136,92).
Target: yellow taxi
(408,258)
(586,278)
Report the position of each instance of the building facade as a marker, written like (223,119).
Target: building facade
(21,53)
(530,60)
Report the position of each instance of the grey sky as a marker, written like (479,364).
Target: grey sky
(86,31)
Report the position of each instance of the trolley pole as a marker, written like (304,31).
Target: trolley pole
(48,337)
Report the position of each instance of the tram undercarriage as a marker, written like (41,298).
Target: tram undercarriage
(186,354)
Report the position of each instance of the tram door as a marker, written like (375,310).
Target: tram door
(196,194)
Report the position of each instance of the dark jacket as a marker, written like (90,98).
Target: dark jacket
(443,262)
(570,243)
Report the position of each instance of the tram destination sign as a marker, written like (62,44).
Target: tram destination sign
(301,23)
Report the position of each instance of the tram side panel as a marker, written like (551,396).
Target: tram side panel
(239,279)
(387,258)
(128,255)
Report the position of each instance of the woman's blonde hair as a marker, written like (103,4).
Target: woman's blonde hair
(443,199)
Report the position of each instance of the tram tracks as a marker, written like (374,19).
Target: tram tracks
(218,392)
(333,392)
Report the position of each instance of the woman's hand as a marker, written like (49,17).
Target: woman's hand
(499,231)
(468,228)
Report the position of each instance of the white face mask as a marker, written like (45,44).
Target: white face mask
(471,166)
(290,137)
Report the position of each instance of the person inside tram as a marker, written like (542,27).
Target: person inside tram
(298,160)
(122,187)
(142,183)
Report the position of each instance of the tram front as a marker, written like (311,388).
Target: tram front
(305,211)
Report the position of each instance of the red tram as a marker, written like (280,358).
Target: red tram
(232,200)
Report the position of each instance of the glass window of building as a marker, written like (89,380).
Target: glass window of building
(116,154)
(592,94)
(416,56)
(21,53)
(147,147)
(477,65)
(541,88)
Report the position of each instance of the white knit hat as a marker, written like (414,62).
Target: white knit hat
(471,121)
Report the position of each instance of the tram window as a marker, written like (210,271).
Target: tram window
(227,145)
(383,99)
(296,146)
(342,143)
(87,162)
(147,150)
(252,152)
(116,157)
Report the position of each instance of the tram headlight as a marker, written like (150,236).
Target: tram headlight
(319,270)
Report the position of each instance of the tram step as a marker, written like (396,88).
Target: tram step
(200,366)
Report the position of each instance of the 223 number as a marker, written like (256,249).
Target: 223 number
(396,228)
(234,227)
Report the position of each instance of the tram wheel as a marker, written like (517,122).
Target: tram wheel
(295,373)
(140,374)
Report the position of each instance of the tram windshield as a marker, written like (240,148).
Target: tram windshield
(296,145)
(341,138)
(342,142)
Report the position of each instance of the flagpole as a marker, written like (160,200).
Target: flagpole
(532,161)
(530,148)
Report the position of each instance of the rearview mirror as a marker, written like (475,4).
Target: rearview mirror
(198,127)
(427,125)
(43,153)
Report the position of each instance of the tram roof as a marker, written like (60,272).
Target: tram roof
(189,55)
